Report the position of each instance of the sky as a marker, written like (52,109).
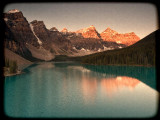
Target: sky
(140,18)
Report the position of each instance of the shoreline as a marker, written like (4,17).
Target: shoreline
(21,67)
(13,74)
(120,65)
(19,71)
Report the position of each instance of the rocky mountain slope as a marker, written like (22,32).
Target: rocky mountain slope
(108,34)
(21,62)
(14,57)
(18,33)
(87,41)
(113,36)
(51,40)
(89,32)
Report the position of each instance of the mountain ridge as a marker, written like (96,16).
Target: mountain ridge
(124,38)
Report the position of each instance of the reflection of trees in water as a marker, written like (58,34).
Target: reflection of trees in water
(144,74)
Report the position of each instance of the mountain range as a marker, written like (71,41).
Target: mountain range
(34,42)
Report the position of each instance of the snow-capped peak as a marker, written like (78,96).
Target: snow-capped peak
(88,29)
(64,30)
(13,11)
(53,29)
(110,31)
(91,26)
(109,28)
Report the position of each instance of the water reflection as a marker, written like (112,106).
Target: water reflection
(112,85)
(72,90)
(111,78)
(145,74)
(45,65)
(89,89)
(108,79)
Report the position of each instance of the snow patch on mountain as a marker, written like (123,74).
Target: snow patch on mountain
(83,49)
(107,48)
(6,19)
(118,41)
(39,41)
(74,48)
(13,11)
(99,50)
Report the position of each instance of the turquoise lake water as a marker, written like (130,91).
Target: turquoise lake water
(71,90)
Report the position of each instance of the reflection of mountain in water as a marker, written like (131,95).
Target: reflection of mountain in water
(108,80)
(112,85)
(108,86)
(109,83)
(89,89)
(145,74)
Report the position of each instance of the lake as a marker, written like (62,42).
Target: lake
(71,90)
